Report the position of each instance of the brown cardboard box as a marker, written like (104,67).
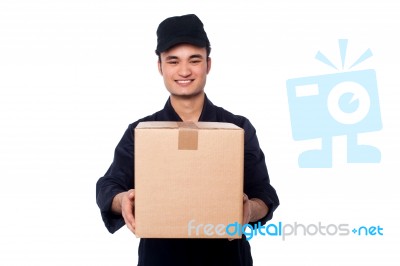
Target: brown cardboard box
(188,179)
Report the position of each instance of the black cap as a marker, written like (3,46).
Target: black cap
(181,29)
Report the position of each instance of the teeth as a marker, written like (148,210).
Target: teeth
(183,81)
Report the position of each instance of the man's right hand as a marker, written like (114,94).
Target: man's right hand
(124,204)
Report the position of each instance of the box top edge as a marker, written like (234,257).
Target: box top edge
(176,125)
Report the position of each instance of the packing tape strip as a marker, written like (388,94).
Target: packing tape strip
(188,136)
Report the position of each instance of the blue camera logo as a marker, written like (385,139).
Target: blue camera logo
(325,106)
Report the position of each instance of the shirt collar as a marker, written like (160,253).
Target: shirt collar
(209,112)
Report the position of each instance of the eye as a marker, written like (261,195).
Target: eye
(172,62)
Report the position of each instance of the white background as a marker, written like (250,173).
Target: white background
(74,74)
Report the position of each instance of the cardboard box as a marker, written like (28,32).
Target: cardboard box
(188,179)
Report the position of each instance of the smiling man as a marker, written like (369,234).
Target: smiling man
(184,68)
(183,50)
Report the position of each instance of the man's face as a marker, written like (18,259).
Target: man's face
(184,69)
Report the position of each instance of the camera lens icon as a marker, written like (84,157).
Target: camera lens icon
(348,102)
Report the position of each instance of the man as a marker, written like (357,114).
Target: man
(183,49)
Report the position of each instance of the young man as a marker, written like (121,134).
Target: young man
(183,49)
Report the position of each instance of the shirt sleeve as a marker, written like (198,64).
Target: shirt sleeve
(256,178)
(118,178)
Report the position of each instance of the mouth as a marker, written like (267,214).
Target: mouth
(184,82)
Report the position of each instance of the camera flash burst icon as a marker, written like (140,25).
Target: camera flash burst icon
(344,103)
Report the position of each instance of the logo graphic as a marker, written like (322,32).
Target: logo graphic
(282,230)
(325,106)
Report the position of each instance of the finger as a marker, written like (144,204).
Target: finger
(127,212)
(129,221)
(131,228)
(129,206)
(131,194)
(245,198)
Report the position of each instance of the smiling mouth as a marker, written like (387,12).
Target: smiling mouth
(183,82)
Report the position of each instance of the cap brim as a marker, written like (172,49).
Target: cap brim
(176,41)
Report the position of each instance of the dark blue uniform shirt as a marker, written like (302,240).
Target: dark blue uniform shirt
(188,252)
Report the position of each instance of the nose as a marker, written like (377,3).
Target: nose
(184,70)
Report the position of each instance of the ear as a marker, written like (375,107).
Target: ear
(159,67)
(208,64)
